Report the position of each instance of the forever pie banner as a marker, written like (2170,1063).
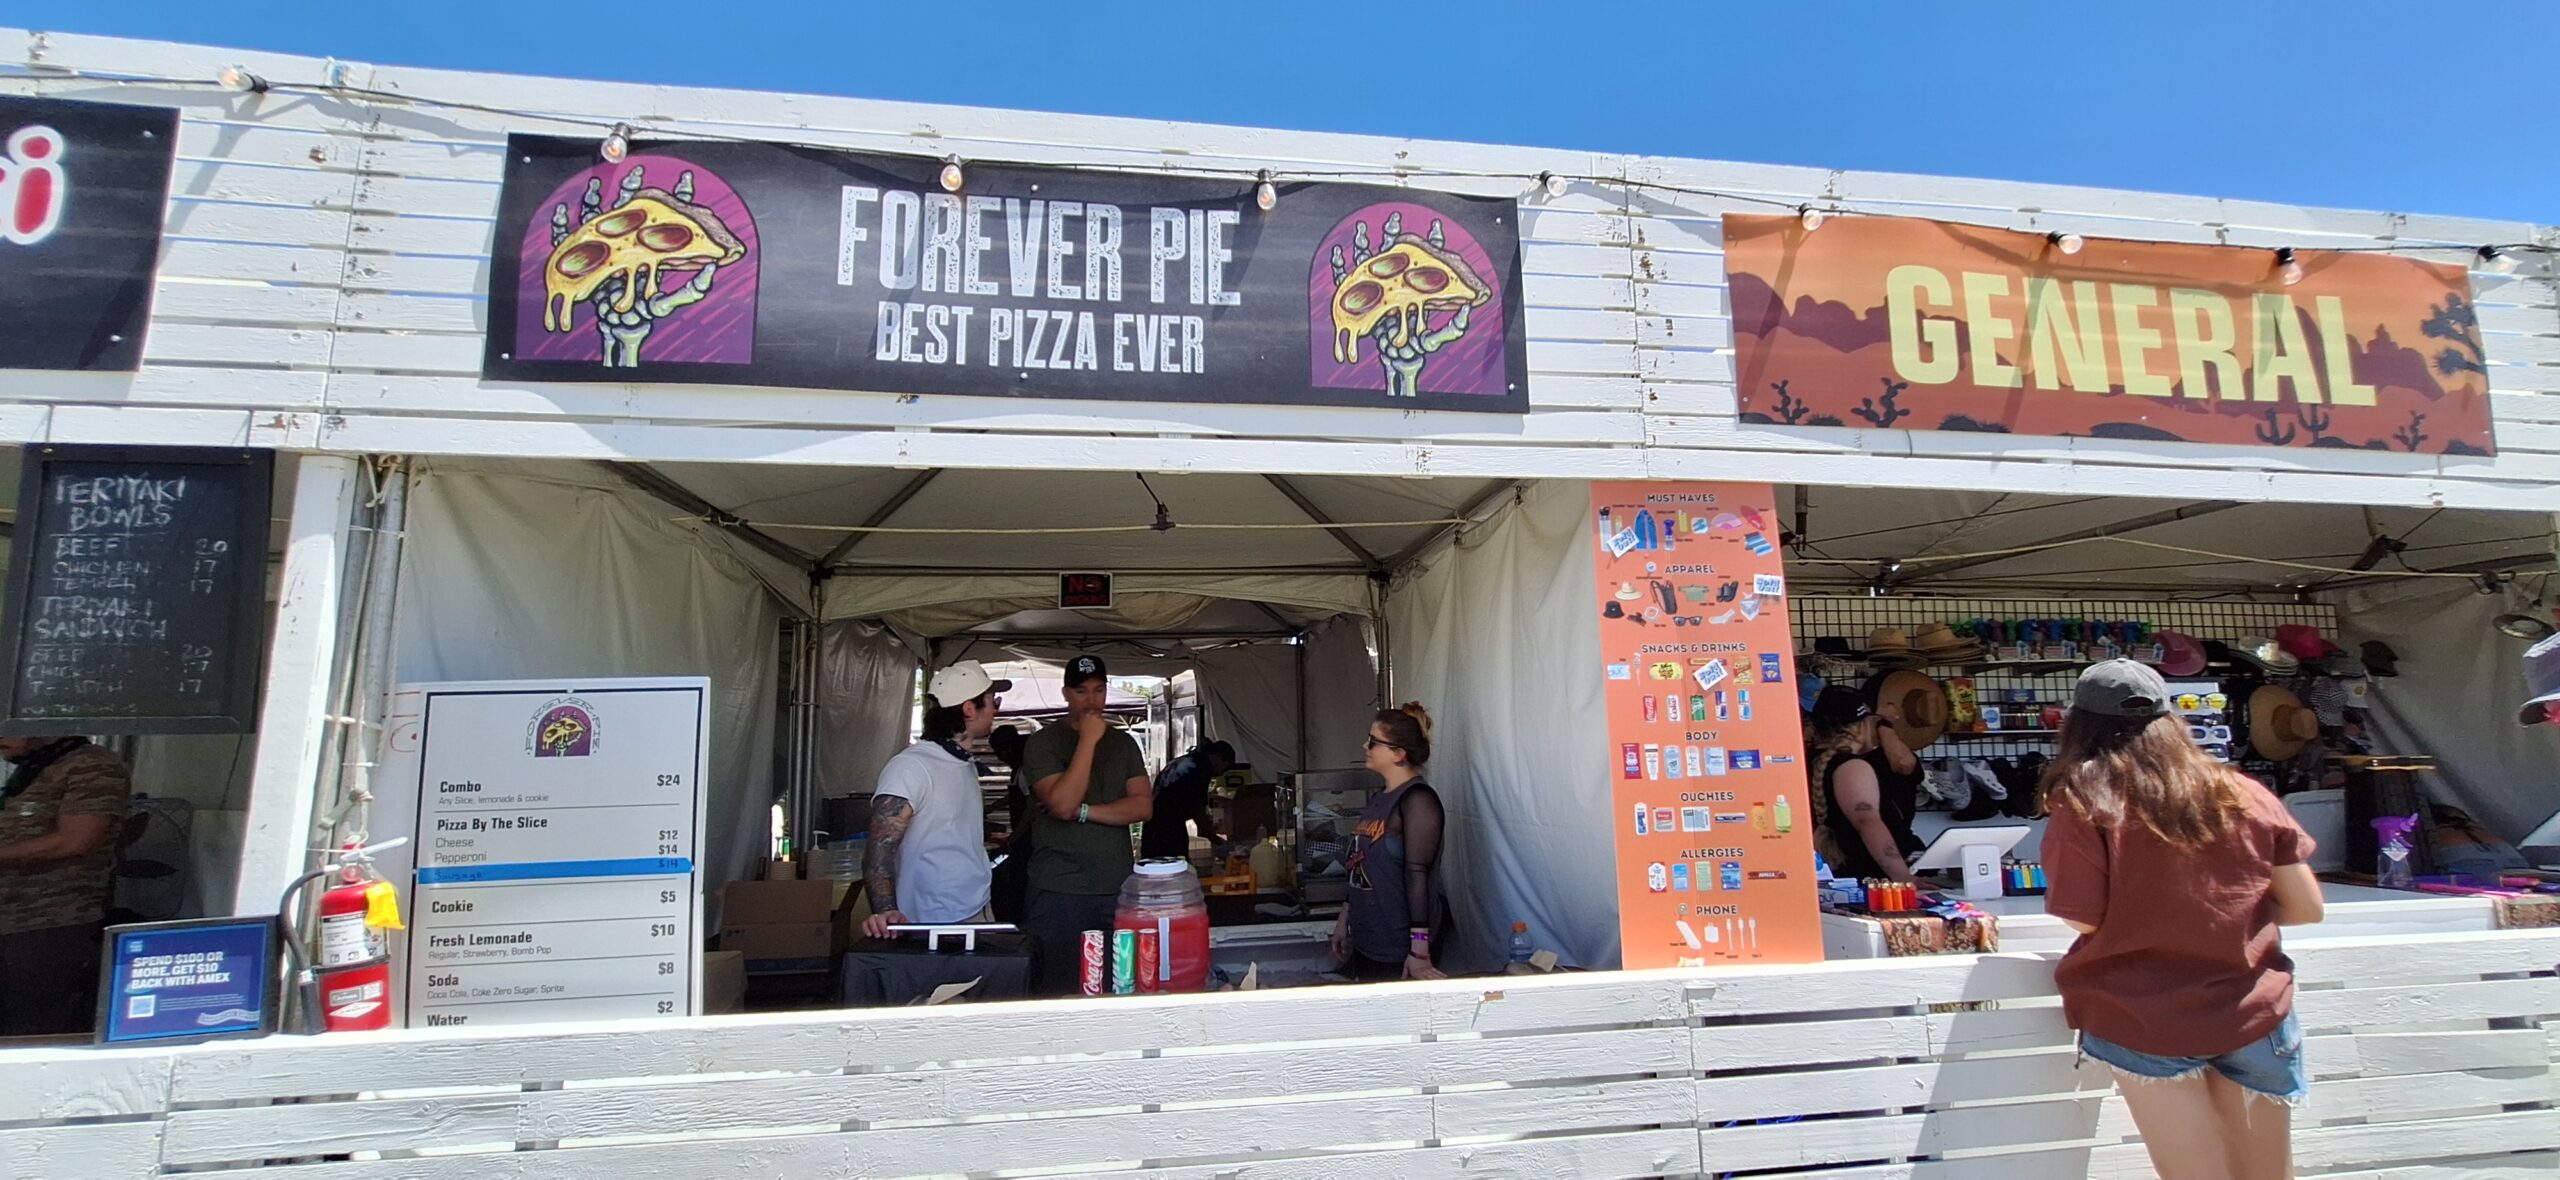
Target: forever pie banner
(1875,322)
(723,263)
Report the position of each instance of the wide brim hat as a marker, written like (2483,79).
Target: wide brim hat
(2280,725)
(1924,705)
(2180,655)
(2305,643)
(1940,642)
(2379,659)
(2265,654)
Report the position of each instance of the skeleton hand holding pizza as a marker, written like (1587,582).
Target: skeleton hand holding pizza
(616,259)
(1389,293)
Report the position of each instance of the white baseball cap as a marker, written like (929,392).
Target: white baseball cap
(963,681)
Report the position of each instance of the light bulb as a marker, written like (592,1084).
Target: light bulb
(1264,195)
(1551,182)
(2496,261)
(1813,218)
(2067,243)
(951,176)
(2288,267)
(617,144)
(239,78)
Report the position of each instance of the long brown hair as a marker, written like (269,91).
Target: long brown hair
(2145,770)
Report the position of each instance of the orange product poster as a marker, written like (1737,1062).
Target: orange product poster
(1715,846)
(1900,323)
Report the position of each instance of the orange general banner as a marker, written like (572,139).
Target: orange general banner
(1715,847)
(1925,325)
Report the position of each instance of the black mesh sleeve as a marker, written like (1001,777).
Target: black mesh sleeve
(1420,815)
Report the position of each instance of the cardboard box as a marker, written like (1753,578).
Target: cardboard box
(768,903)
(778,941)
(724,982)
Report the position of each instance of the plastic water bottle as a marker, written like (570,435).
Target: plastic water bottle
(1520,949)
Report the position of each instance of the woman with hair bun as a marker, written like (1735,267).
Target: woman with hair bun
(1391,924)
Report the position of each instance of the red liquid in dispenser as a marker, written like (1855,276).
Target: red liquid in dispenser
(1164,895)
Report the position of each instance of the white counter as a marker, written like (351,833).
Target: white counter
(2354,911)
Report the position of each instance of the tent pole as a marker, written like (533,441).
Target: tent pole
(1302,702)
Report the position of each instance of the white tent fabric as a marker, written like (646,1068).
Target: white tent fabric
(1249,699)
(1497,638)
(1160,602)
(511,577)
(2455,699)
(866,694)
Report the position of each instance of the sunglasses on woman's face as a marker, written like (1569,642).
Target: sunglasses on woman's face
(1374,743)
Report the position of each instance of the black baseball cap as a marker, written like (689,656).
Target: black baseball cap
(1084,668)
(2121,688)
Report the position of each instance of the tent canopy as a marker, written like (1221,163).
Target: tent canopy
(1848,534)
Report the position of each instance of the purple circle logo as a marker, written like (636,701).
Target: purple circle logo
(566,728)
(654,258)
(1406,302)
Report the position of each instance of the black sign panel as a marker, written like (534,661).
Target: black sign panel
(82,187)
(763,264)
(137,591)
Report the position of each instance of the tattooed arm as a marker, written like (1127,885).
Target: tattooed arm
(890,815)
(1853,790)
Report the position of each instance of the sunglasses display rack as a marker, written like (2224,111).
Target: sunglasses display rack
(2026,697)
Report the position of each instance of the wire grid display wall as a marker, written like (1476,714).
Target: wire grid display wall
(1852,618)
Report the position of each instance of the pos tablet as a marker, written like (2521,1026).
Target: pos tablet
(1977,851)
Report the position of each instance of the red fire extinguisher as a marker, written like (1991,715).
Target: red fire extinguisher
(354,965)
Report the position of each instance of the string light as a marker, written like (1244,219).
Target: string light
(1812,217)
(2288,267)
(1264,195)
(2500,258)
(2067,243)
(617,144)
(951,177)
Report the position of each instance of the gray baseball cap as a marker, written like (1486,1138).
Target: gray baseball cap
(2121,688)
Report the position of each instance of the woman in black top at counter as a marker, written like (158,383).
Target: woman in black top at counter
(1391,922)
(1898,773)
(1861,830)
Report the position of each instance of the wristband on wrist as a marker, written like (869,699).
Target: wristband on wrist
(1084,813)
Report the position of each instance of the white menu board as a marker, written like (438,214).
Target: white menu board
(556,876)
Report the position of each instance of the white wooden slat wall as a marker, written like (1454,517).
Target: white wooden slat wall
(2432,1056)
(323,288)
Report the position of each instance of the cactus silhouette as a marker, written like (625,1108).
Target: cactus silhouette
(2314,419)
(2410,436)
(2276,433)
(1790,411)
(1884,411)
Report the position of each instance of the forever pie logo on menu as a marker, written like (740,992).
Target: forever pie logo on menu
(624,269)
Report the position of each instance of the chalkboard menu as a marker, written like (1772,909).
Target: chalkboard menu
(137,591)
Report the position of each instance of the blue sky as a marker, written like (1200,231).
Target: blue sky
(2428,108)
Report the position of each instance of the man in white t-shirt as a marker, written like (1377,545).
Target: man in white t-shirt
(926,859)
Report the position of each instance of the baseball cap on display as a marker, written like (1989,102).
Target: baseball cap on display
(963,681)
(2121,688)
(1084,668)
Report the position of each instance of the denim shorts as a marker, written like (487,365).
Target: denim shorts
(2270,1067)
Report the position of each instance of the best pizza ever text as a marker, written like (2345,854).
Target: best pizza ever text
(2093,337)
(1031,249)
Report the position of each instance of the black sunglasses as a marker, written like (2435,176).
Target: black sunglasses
(1373,743)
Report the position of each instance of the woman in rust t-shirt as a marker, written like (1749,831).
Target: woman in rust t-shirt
(2177,870)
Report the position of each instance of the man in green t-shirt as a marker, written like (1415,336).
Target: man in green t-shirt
(1088,784)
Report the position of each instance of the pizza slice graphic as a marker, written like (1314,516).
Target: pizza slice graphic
(639,241)
(1405,279)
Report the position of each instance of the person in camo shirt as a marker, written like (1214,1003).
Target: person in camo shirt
(59,811)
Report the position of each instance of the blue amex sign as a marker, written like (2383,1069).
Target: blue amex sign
(207,977)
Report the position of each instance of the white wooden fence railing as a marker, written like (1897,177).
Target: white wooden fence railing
(2432,1058)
